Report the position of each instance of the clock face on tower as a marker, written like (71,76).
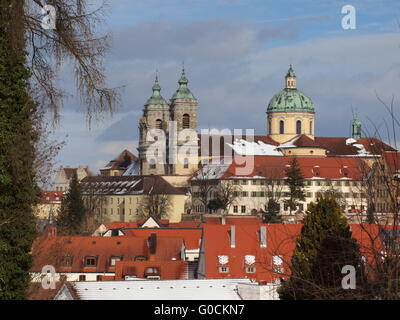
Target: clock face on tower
(223,259)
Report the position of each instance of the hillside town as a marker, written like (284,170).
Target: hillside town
(202,221)
(198,158)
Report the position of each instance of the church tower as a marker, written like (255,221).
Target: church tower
(290,112)
(356,128)
(184,113)
(156,115)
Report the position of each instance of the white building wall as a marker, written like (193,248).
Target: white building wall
(254,291)
(350,189)
(72,276)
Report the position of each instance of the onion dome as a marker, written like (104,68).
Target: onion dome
(290,99)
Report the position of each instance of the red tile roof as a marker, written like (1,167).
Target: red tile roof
(130,185)
(304,141)
(392,160)
(119,225)
(124,159)
(340,147)
(281,241)
(234,220)
(163,222)
(374,145)
(191,237)
(51,196)
(51,250)
(69,172)
(168,270)
(322,167)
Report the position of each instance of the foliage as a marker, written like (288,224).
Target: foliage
(72,217)
(295,182)
(155,205)
(18,190)
(215,204)
(324,246)
(272,214)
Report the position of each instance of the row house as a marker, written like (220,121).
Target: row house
(49,203)
(64,176)
(385,186)
(343,176)
(120,198)
(263,252)
(78,258)
(124,164)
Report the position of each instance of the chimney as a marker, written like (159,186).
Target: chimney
(263,237)
(152,243)
(223,219)
(51,231)
(232,233)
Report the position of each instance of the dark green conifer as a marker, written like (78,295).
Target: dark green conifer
(18,190)
(323,248)
(72,218)
(295,182)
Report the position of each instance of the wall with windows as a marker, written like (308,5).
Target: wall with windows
(283,126)
(254,194)
(126,208)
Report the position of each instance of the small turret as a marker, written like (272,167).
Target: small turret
(183,91)
(356,128)
(156,97)
(290,79)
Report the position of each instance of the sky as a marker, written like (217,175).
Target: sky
(236,54)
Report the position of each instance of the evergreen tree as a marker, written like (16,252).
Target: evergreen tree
(295,181)
(72,218)
(324,246)
(18,190)
(215,204)
(272,212)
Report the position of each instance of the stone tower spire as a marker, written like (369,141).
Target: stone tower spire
(290,79)
(156,115)
(356,127)
(184,114)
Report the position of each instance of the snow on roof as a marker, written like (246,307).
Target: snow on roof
(251,148)
(290,143)
(350,141)
(214,170)
(211,289)
(133,169)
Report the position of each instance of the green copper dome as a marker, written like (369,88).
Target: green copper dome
(290,99)
(156,97)
(183,91)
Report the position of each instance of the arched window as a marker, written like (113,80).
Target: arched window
(311,127)
(281,127)
(152,164)
(185,121)
(269,126)
(186,163)
(158,124)
(298,127)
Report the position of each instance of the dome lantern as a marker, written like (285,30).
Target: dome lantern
(290,79)
(156,98)
(183,91)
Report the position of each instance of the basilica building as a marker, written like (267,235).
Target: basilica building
(290,128)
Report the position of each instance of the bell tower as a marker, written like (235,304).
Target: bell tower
(156,115)
(184,113)
(356,128)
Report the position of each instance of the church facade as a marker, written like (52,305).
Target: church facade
(169,143)
(165,129)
